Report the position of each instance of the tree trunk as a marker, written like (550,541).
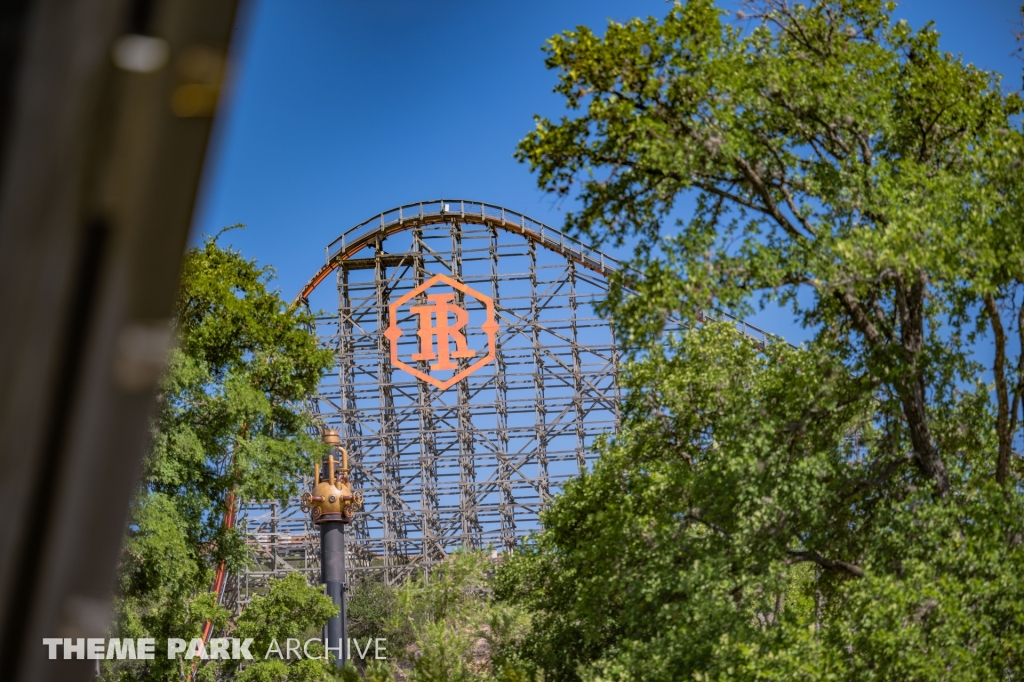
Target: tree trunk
(928,459)
(1002,394)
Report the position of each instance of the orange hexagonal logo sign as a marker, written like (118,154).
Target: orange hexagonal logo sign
(443,331)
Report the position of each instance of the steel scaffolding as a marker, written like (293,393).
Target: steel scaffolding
(471,465)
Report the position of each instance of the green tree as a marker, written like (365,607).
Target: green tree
(289,610)
(848,510)
(228,427)
(445,626)
(371,606)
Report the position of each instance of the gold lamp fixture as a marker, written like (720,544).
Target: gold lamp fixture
(332,498)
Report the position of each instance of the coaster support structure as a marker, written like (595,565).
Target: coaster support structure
(467,464)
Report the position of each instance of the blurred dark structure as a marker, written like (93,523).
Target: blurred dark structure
(106,107)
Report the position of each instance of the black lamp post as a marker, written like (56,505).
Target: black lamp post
(331,505)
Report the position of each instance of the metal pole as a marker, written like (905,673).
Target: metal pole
(343,611)
(332,562)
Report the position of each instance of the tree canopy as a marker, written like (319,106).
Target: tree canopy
(850,509)
(229,426)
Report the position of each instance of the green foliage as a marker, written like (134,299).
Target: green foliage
(228,418)
(348,674)
(371,606)
(440,617)
(848,510)
(711,534)
(227,427)
(445,626)
(275,670)
(290,609)
(378,671)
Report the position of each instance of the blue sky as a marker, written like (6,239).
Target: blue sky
(339,109)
